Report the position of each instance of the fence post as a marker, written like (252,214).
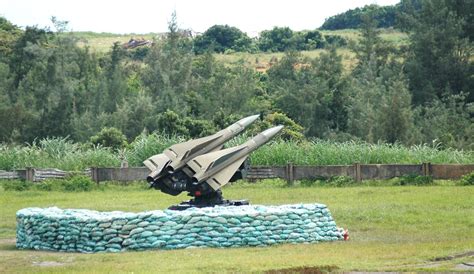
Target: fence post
(95,174)
(289,173)
(358,176)
(30,174)
(426,169)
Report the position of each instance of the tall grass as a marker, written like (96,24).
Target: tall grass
(321,152)
(145,146)
(64,154)
(56,153)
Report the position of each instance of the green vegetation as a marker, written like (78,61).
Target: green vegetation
(468,179)
(76,183)
(352,19)
(109,137)
(219,38)
(63,154)
(405,89)
(412,225)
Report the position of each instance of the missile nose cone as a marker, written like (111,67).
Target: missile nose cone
(245,122)
(269,133)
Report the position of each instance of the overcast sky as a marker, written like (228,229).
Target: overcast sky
(143,16)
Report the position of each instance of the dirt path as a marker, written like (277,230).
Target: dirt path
(8,241)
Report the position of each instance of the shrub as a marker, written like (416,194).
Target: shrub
(110,137)
(335,181)
(77,183)
(468,179)
(45,185)
(341,181)
(309,182)
(17,185)
(417,180)
(50,185)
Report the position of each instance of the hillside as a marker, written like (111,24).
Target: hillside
(103,42)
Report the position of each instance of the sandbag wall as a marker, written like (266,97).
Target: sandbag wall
(80,230)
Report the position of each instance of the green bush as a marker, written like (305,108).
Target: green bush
(336,181)
(44,186)
(340,181)
(17,185)
(468,179)
(309,182)
(50,185)
(77,184)
(110,137)
(417,180)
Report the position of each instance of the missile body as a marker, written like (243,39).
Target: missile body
(217,168)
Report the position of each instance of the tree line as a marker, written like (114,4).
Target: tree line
(227,39)
(352,19)
(418,93)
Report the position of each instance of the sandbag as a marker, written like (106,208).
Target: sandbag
(88,231)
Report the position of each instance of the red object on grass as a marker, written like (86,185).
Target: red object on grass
(346,235)
(197,193)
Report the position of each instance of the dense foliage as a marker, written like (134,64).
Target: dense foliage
(419,93)
(352,19)
(227,39)
(220,38)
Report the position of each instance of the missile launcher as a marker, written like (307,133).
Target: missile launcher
(201,167)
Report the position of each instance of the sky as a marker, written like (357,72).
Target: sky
(144,16)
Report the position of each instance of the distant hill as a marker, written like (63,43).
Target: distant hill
(352,19)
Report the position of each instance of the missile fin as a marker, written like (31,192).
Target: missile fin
(222,177)
(203,162)
(156,161)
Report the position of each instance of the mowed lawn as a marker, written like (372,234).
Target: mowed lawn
(391,229)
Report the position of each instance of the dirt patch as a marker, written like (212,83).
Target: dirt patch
(8,241)
(48,264)
(304,270)
(465,266)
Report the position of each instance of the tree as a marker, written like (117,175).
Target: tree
(299,91)
(220,38)
(291,131)
(371,47)
(379,106)
(329,67)
(115,85)
(447,122)
(396,113)
(171,123)
(22,60)
(439,58)
(110,137)
(308,40)
(9,33)
(275,40)
(167,73)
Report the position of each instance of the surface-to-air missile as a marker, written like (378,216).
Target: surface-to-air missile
(201,167)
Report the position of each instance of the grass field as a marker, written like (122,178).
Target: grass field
(102,42)
(262,59)
(391,229)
